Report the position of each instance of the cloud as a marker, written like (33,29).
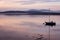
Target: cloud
(48,0)
(27,2)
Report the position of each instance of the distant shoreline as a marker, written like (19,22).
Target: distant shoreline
(28,13)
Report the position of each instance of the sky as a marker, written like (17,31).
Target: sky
(29,4)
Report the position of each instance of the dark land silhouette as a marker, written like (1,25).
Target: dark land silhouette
(31,12)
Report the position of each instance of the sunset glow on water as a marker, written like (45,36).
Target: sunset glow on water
(27,27)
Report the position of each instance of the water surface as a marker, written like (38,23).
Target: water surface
(28,27)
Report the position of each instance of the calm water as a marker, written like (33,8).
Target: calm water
(27,27)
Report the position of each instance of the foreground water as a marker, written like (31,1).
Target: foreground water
(27,27)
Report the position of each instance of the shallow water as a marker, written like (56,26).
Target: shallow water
(28,27)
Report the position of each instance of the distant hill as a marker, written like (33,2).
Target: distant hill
(31,12)
(13,12)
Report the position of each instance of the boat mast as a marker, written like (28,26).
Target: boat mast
(49,15)
(49,18)
(49,26)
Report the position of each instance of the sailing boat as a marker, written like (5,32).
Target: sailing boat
(50,23)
